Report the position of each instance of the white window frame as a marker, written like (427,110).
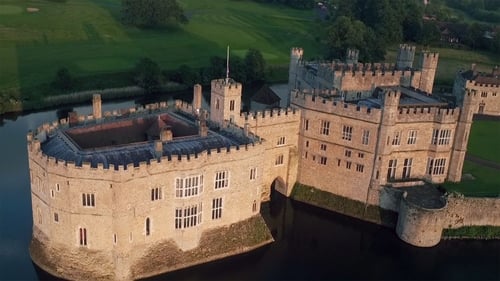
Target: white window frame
(217,206)
(412,137)
(189,186)
(279,160)
(324,128)
(156,193)
(347,132)
(187,217)
(88,200)
(407,168)
(365,138)
(221,179)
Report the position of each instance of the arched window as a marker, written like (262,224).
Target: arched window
(148,226)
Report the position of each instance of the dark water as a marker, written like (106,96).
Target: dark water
(310,243)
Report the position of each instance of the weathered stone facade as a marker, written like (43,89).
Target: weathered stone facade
(352,132)
(485,87)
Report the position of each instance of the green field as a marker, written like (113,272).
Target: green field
(484,137)
(452,60)
(86,36)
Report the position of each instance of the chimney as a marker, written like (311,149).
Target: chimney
(166,134)
(158,148)
(203,129)
(196,99)
(96,106)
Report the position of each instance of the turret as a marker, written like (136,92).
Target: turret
(295,60)
(197,99)
(225,100)
(428,62)
(406,54)
(352,56)
(461,139)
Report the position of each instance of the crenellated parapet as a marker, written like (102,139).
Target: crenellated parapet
(307,100)
(270,117)
(428,114)
(162,164)
(472,84)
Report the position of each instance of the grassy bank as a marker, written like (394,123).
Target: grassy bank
(484,137)
(343,205)
(473,232)
(87,37)
(485,182)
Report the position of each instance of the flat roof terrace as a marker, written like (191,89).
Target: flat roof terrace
(132,140)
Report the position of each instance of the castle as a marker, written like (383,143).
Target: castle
(486,87)
(133,193)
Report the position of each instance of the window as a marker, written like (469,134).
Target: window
(484,94)
(254,206)
(347,133)
(279,160)
(52,193)
(83,236)
(307,143)
(396,140)
(360,168)
(216,208)
(253,173)
(156,193)
(305,124)
(148,226)
(231,105)
(436,166)
(322,147)
(56,217)
(322,160)
(365,137)
(444,137)
(348,165)
(217,104)
(88,200)
(221,179)
(361,155)
(441,137)
(325,128)
(189,186)
(188,216)
(339,162)
(281,141)
(347,153)
(57,187)
(115,239)
(391,171)
(412,136)
(407,168)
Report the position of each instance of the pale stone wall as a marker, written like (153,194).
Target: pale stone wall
(487,97)
(419,226)
(123,202)
(472,211)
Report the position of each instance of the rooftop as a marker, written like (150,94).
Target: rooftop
(410,97)
(132,140)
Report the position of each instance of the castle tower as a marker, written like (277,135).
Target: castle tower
(225,100)
(352,56)
(461,139)
(386,131)
(428,62)
(197,99)
(406,54)
(295,60)
(96,106)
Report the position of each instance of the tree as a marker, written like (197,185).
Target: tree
(63,79)
(345,33)
(147,75)
(255,66)
(152,13)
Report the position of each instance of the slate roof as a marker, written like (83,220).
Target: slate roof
(60,146)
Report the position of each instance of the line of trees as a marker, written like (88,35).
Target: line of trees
(298,4)
(152,13)
(248,70)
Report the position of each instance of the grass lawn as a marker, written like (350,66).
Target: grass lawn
(87,37)
(486,182)
(483,141)
(452,60)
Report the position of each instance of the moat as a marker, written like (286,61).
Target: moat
(310,243)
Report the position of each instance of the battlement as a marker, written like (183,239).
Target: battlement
(308,99)
(297,52)
(474,83)
(270,117)
(164,163)
(407,47)
(430,54)
(428,114)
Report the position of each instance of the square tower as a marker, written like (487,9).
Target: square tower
(225,100)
